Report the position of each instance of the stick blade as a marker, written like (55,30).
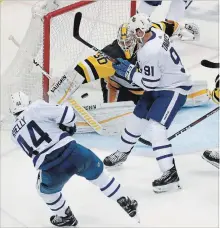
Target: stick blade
(76,24)
(207,63)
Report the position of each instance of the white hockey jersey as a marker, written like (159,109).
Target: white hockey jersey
(160,65)
(36,130)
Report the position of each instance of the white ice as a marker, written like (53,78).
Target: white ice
(196,205)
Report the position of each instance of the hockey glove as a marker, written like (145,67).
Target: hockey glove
(124,69)
(186,32)
(70,130)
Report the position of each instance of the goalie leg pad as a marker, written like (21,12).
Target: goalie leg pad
(198,95)
(110,115)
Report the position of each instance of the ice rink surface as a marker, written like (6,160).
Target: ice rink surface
(196,205)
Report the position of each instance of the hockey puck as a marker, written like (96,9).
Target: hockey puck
(85,95)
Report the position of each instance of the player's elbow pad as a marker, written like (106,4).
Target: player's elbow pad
(70,130)
(69,117)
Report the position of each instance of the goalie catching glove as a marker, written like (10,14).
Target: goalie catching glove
(186,32)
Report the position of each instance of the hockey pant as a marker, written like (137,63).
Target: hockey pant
(82,162)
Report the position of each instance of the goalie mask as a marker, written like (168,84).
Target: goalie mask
(126,40)
(19,102)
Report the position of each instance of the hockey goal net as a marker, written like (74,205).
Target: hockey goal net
(49,41)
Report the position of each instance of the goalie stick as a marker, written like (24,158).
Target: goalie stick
(76,26)
(185,128)
(76,35)
(209,64)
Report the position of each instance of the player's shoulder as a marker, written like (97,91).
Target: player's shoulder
(37,104)
(156,39)
(153,46)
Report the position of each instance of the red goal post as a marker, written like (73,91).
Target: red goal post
(128,5)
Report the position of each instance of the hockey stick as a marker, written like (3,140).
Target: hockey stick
(81,110)
(209,64)
(185,128)
(76,26)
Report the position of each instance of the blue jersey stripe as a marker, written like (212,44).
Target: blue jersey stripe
(150,80)
(64,115)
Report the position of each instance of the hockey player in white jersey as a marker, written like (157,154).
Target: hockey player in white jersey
(176,11)
(166,86)
(174,15)
(44,132)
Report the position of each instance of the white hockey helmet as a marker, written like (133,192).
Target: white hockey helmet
(126,40)
(19,102)
(142,22)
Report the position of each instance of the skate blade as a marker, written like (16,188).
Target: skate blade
(137,218)
(167,188)
(119,165)
(211,162)
(77,226)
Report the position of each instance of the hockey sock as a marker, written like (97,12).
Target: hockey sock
(146,8)
(161,145)
(56,203)
(133,130)
(177,10)
(108,185)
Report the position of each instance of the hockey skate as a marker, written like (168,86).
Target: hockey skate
(212,157)
(167,182)
(68,220)
(130,206)
(116,159)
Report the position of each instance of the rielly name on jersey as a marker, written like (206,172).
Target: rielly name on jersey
(36,131)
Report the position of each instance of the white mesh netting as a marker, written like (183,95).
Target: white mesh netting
(99,26)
